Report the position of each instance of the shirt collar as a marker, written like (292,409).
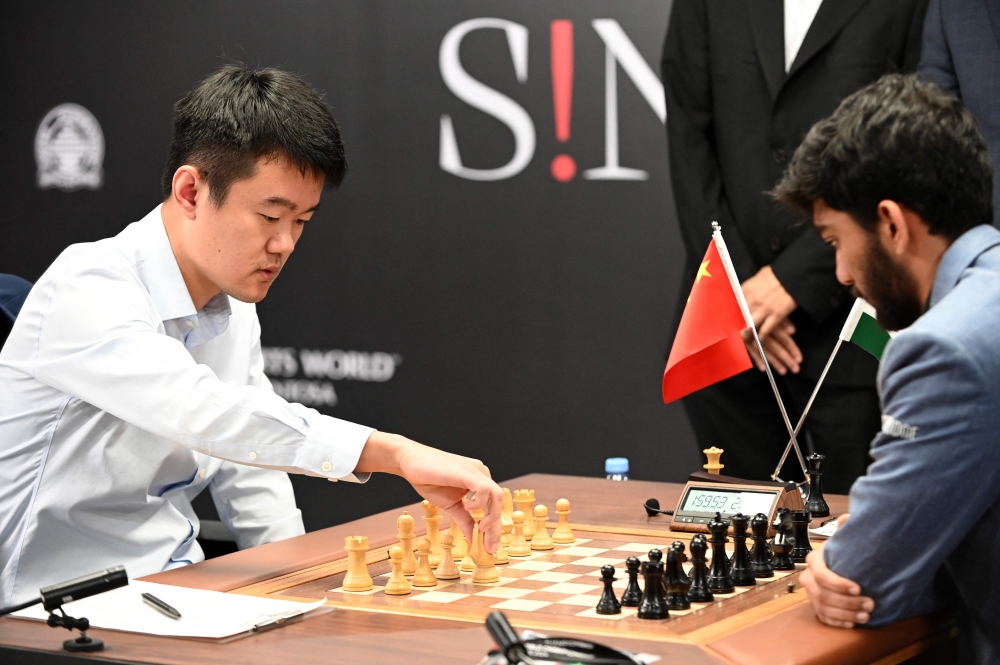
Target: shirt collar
(960,255)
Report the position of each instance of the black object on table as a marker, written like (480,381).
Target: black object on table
(800,530)
(816,504)
(608,604)
(719,579)
(783,542)
(760,556)
(742,571)
(633,594)
(654,602)
(699,591)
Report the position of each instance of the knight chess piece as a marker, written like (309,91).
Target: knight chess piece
(800,530)
(541,540)
(699,591)
(447,570)
(677,588)
(485,571)
(518,547)
(679,546)
(525,502)
(760,559)
(608,604)
(783,542)
(404,527)
(424,576)
(357,577)
(741,570)
(654,603)
(633,594)
(563,535)
(397,585)
(432,518)
(816,504)
(719,579)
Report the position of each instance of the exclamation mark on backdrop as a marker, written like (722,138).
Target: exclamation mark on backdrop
(563,166)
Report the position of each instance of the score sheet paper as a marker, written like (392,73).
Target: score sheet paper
(206,614)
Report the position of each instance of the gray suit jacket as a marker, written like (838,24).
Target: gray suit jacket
(961,53)
(925,519)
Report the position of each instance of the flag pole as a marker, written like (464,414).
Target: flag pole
(734,282)
(805,412)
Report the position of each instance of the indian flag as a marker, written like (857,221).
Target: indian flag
(862,329)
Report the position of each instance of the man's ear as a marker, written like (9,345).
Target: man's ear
(893,230)
(187,189)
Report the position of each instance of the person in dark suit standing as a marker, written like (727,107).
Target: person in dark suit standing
(961,53)
(744,81)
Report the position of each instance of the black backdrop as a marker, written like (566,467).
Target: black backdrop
(523,321)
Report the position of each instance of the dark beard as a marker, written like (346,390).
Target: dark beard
(890,288)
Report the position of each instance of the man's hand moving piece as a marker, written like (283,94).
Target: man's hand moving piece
(442,478)
(836,600)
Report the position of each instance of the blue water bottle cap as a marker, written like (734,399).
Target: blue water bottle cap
(616,465)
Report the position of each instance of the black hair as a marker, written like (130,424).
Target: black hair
(239,115)
(902,139)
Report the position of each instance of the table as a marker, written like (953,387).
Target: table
(778,630)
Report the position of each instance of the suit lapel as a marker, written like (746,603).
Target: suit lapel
(993,7)
(831,17)
(767,21)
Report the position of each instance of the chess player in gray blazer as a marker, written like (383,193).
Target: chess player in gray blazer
(899,181)
(961,53)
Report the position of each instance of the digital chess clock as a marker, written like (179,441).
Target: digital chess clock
(700,500)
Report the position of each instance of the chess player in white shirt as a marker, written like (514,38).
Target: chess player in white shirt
(133,379)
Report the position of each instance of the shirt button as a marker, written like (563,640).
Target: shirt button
(327,466)
(253,455)
(190,323)
(201,474)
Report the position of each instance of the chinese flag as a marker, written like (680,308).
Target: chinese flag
(708,347)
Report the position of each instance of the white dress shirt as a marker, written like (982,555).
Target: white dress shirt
(799,15)
(119,403)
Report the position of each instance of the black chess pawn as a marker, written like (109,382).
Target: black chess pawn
(760,559)
(800,530)
(633,594)
(609,603)
(816,504)
(676,582)
(699,591)
(654,603)
(719,579)
(783,542)
(741,570)
(679,546)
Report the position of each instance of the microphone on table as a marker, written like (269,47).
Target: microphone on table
(53,597)
(652,507)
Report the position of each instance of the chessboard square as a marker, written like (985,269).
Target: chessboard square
(440,597)
(598,561)
(535,565)
(640,547)
(555,578)
(521,605)
(576,550)
(581,601)
(592,613)
(341,589)
(570,588)
(503,592)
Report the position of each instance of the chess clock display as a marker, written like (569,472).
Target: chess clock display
(700,501)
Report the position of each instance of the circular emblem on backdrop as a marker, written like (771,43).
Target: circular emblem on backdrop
(69,149)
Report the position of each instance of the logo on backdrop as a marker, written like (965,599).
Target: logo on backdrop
(282,365)
(69,149)
(618,50)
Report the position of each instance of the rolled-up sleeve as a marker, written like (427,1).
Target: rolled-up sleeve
(99,341)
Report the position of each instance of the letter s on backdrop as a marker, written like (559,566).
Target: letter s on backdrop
(486,99)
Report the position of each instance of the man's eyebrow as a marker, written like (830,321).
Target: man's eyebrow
(285,203)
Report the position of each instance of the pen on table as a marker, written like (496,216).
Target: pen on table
(160,606)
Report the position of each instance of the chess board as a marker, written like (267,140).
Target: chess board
(550,589)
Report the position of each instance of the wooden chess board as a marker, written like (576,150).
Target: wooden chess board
(553,589)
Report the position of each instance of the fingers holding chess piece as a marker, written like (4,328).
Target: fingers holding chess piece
(447,570)
(357,577)
(404,527)
(608,604)
(397,585)
(518,547)
(563,535)
(424,576)
(432,518)
(541,540)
